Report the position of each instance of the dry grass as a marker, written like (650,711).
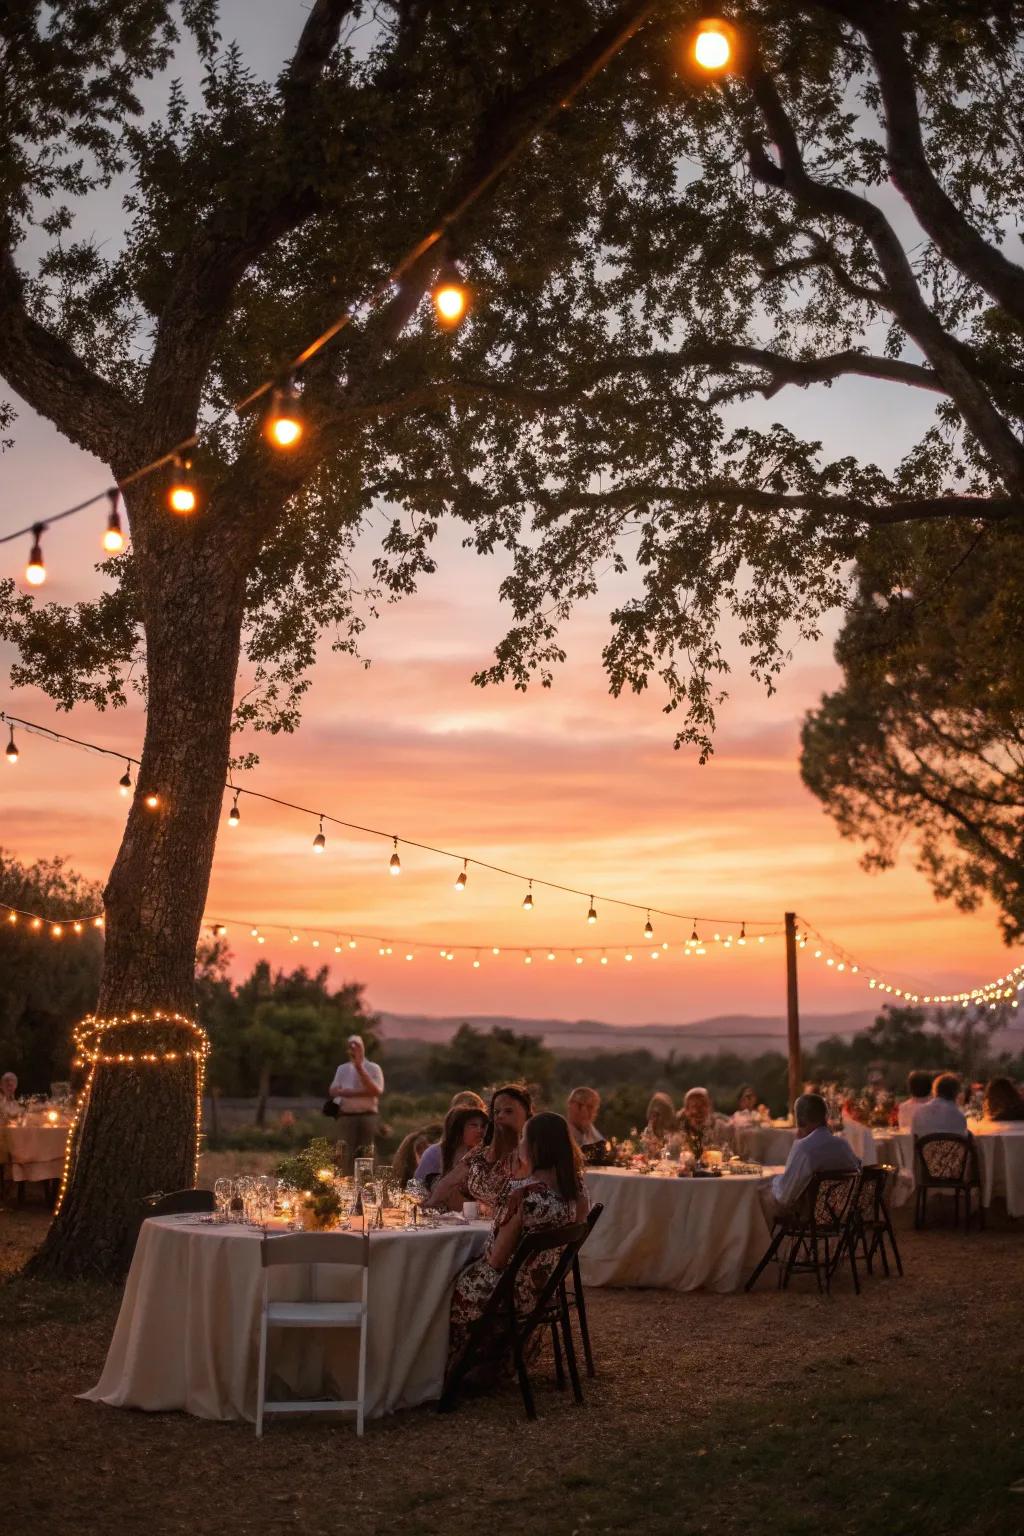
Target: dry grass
(892,1414)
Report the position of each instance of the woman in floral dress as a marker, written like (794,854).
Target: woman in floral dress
(484,1175)
(550,1194)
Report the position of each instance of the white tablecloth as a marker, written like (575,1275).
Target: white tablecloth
(1000,1162)
(679,1234)
(188,1330)
(763,1143)
(33,1151)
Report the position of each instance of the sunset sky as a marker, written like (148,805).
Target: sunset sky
(568,785)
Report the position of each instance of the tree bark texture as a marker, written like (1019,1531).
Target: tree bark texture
(138,1124)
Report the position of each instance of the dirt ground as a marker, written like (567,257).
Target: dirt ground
(893,1413)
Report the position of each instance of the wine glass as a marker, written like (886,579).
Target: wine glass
(223,1190)
(371,1203)
(416,1193)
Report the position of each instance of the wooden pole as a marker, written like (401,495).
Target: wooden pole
(796,1073)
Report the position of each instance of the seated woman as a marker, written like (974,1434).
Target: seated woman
(485,1174)
(411,1150)
(9,1106)
(551,1193)
(748,1111)
(660,1129)
(1002,1100)
(463,1132)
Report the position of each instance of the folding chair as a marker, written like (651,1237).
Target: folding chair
(180,1202)
(576,1296)
(871,1227)
(821,1217)
(499,1327)
(314,1249)
(945,1162)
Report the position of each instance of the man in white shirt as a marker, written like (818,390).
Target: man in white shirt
(919,1087)
(815,1150)
(356,1089)
(941,1115)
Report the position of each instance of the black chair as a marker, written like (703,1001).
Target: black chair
(871,1227)
(576,1297)
(499,1329)
(944,1162)
(180,1202)
(818,1230)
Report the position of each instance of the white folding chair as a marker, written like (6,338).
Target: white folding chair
(314,1249)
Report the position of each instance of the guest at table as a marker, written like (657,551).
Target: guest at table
(1002,1100)
(356,1089)
(919,1087)
(748,1111)
(485,1174)
(581,1109)
(9,1106)
(699,1124)
(411,1151)
(941,1115)
(550,1193)
(815,1150)
(660,1128)
(468,1100)
(463,1132)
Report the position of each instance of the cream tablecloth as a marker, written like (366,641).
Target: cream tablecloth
(763,1143)
(33,1151)
(187,1333)
(679,1234)
(1000,1162)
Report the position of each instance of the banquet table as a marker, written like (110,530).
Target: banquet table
(1000,1162)
(764,1143)
(33,1151)
(187,1333)
(675,1233)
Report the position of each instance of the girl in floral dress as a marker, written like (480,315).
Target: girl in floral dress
(551,1194)
(484,1175)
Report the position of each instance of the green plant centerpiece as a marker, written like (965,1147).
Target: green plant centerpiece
(311,1170)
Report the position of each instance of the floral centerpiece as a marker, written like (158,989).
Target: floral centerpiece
(312,1172)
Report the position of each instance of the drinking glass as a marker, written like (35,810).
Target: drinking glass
(223,1190)
(371,1203)
(416,1193)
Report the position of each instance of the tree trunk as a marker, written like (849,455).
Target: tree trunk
(262,1095)
(138,1122)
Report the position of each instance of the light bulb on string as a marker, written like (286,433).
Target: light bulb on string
(743,934)
(551,954)
(182,496)
(113,538)
(592,914)
(497,951)
(152,801)
(579,959)
(712,45)
(450,296)
(320,841)
(528,898)
(234,815)
(462,877)
(694,936)
(35,571)
(284,426)
(395,863)
(604,958)
(648,928)
(124,783)
(527,958)
(11,752)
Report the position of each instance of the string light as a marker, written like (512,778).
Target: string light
(124,783)
(592,914)
(284,426)
(451,297)
(648,928)
(234,815)
(182,496)
(35,570)
(320,841)
(11,753)
(528,898)
(462,877)
(712,45)
(152,801)
(395,863)
(113,538)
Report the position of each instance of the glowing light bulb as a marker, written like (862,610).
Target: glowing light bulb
(284,426)
(527,959)
(124,783)
(712,45)
(152,801)
(254,933)
(11,752)
(528,899)
(234,817)
(320,841)
(77,927)
(450,301)
(35,571)
(648,928)
(579,959)
(592,914)
(181,495)
(627,956)
(497,951)
(395,863)
(56,931)
(113,538)
(462,877)
(12,917)
(604,959)
(551,954)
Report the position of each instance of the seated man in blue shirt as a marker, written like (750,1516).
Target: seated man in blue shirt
(815,1150)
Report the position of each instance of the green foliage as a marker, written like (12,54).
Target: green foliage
(303,1168)
(46,985)
(473,1059)
(924,741)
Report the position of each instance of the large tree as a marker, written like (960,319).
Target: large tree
(644,265)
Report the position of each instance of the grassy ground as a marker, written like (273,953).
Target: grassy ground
(893,1414)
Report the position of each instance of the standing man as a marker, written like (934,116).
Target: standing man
(356,1089)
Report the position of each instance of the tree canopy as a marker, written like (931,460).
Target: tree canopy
(842,206)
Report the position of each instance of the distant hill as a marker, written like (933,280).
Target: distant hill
(746,1034)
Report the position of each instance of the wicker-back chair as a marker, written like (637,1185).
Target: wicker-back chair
(871,1228)
(945,1162)
(817,1230)
(500,1329)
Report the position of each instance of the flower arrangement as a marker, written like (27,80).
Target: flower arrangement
(312,1172)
